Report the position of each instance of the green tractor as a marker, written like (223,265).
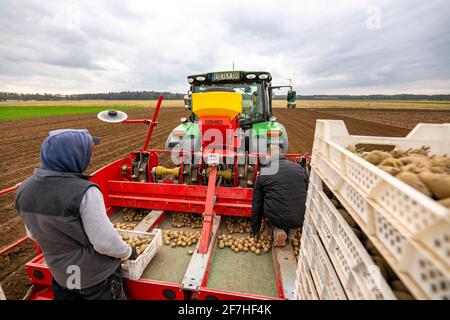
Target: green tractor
(291,99)
(256,124)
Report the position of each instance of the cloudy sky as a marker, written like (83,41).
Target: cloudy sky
(326,47)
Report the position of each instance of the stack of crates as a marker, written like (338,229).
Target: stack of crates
(410,230)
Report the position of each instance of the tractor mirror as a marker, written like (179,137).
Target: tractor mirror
(187,101)
(112,116)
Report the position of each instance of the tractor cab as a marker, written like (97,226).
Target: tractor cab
(256,106)
(291,99)
(255,123)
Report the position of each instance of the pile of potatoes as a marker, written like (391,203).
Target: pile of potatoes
(125,226)
(133,215)
(246,244)
(397,286)
(237,225)
(295,239)
(140,242)
(175,238)
(190,220)
(415,167)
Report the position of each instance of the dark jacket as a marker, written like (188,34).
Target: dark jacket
(280,195)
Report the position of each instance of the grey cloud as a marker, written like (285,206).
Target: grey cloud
(325,45)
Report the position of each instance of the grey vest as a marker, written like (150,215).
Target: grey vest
(49,205)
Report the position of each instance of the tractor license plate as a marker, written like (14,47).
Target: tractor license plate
(212,159)
(220,76)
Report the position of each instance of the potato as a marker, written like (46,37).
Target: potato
(376,157)
(190,252)
(443,170)
(397,285)
(348,218)
(445,202)
(236,250)
(381,263)
(414,181)
(440,162)
(258,251)
(335,203)
(415,159)
(423,151)
(371,248)
(439,184)
(403,295)
(357,232)
(391,170)
(397,153)
(391,162)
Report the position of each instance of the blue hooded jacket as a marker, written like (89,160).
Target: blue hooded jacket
(67,150)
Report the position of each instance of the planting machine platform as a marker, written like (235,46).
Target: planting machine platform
(211,162)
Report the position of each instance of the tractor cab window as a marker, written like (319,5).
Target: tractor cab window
(252,99)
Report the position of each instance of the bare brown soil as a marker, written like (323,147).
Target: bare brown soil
(400,118)
(20,143)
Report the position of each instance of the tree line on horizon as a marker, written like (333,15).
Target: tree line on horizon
(153,95)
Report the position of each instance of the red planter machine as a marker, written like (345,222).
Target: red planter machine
(212,201)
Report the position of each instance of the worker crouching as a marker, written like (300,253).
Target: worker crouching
(279,195)
(65,214)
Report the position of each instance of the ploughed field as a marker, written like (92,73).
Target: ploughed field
(21,139)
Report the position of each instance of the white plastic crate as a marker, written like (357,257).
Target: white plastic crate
(324,277)
(351,260)
(2,294)
(304,284)
(133,269)
(308,231)
(406,256)
(325,280)
(420,216)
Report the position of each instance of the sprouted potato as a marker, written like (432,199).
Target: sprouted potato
(180,220)
(140,242)
(429,174)
(175,238)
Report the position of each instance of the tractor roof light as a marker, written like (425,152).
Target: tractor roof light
(178,133)
(190,80)
(263,76)
(200,78)
(251,76)
(274,133)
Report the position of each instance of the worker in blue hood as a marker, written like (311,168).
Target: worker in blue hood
(65,214)
(67,150)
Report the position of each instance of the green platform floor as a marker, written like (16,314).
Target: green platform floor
(243,272)
(169,264)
